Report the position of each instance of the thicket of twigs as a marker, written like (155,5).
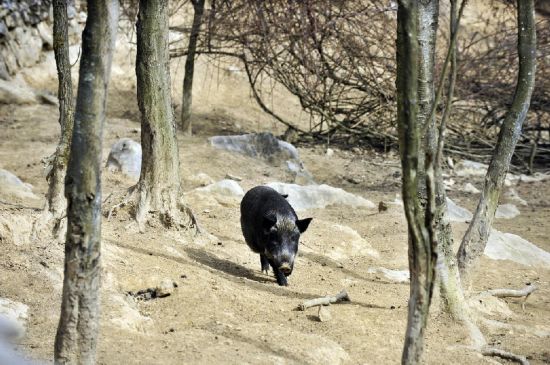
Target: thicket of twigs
(338,58)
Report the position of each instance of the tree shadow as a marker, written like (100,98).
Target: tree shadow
(230,270)
(228,267)
(262,345)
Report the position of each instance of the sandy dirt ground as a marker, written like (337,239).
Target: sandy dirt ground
(224,310)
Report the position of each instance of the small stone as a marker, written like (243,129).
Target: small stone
(382,207)
(324,314)
(201,179)
(165,288)
(330,152)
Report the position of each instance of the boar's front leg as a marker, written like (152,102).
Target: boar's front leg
(264,263)
(281,278)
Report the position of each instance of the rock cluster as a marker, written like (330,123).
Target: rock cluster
(25,29)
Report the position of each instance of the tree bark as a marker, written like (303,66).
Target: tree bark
(198,6)
(422,254)
(77,333)
(428,13)
(159,184)
(474,241)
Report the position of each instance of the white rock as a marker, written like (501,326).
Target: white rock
(12,185)
(10,356)
(508,246)
(165,288)
(11,93)
(318,196)
(456,213)
(536,177)
(13,318)
(397,276)
(448,184)
(470,168)
(224,187)
(513,195)
(125,156)
(469,188)
(259,145)
(330,152)
(266,147)
(507,211)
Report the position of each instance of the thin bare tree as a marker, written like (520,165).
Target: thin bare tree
(422,245)
(56,204)
(77,333)
(198,7)
(474,241)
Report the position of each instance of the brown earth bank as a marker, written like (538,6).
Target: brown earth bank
(224,310)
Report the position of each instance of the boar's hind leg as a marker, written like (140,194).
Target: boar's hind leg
(265,264)
(281,278)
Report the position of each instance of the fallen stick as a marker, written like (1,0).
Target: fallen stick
(491,351)
(340,297)
(513,293)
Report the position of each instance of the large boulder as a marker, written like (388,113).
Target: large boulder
(11,93)
(506,211)
(266,147)
(456,213)
(13,318)
(224,187)
(508,246)
(125,157)
(12,187)
(303,197)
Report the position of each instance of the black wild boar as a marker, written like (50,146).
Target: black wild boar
(272,229)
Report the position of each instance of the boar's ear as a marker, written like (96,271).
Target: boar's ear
(284,195)
(269,221)
(302,224)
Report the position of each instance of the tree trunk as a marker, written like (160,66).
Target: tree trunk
(77,333)
(428,13)
(474,241)
(159,184)
(422,254)
(56,204)
(198,6)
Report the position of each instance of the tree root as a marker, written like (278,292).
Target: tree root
(116,207)
(173,212)
(491,351)
(340,297)
(47,222)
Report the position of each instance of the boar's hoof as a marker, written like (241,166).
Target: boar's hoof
(281,278)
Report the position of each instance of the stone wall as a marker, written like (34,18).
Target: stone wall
(25,31)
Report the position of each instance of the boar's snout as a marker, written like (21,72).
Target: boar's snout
(285,268)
